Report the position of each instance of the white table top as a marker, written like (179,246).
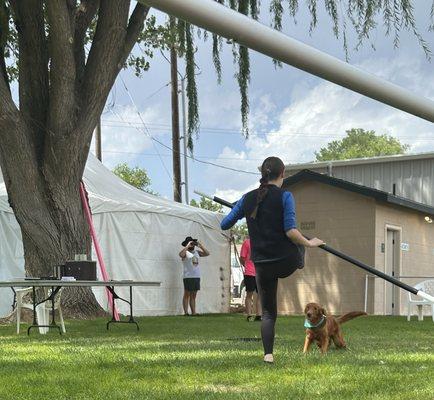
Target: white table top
(49,283)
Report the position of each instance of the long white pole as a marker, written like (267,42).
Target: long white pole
(230,24)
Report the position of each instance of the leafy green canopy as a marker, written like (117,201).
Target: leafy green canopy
(136,176)
(207,204)
(363,16)
(360,143)
(239,231)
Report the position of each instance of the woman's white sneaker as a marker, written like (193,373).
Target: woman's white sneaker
(268,358)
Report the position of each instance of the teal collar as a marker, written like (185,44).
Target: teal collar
(309,325)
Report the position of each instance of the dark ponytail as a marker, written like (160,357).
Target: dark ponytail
(271,169)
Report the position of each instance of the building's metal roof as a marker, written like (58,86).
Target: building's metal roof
(308,175)
(358,161)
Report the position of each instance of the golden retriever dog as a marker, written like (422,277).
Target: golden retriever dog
(322,328)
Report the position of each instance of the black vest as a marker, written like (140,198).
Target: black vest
(268,240)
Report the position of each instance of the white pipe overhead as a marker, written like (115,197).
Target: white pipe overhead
(230,24)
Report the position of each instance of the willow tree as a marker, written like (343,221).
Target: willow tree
(360,16)
(65,56)
(44,142)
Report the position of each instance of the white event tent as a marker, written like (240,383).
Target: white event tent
(140,236)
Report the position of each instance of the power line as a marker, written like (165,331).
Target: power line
(169,155)
(158,154)
(263,133)
(191,157)
(157,91)
(194,158)
(146,131)
(208,162)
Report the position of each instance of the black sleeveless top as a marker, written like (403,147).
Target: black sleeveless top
(268,239)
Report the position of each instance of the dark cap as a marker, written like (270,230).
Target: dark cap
(188,239)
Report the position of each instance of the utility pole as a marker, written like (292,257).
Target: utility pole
(98,149)
(184,139)
(175,122)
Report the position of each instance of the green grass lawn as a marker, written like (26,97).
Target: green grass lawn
(201,358)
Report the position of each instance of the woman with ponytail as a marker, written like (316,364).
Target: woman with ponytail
(277,246)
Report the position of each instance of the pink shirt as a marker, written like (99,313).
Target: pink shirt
(249,267)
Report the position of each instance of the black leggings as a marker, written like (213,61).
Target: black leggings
(267,276)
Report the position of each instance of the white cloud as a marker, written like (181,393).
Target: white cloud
(231,184)
(322,113)
(261,118)
(223,107)
(124,136)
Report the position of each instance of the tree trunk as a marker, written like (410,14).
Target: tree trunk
(45,142)
(54,234)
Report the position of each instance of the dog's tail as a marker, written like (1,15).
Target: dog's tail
(346,317)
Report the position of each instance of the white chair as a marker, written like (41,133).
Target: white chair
(24,299)
(427,287)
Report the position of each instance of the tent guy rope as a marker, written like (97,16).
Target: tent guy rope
(105,276)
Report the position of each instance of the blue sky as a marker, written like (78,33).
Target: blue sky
(293,114)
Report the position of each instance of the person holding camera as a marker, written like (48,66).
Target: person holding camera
(190,254)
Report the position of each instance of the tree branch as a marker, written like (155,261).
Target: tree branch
(114,38)
(135,26)
(99,87)
(4,33)
(8,109)
(61,114)
(15,146)
(99,74)
(85,13)
(96,98)
(33,66)
(107,45)
(109,51)
(3,71)
(103,61)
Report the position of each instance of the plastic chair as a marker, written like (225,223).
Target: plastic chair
(42,310)
(427,287)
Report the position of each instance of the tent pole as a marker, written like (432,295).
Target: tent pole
(105,276)
(351,260)
(214,17)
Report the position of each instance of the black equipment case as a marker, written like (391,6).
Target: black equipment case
(80,270)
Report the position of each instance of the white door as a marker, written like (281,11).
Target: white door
(392,269)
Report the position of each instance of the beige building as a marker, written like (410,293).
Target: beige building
(389,232)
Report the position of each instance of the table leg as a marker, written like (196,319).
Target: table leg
(34,305)
(14,301)
(131,319)
(51,297)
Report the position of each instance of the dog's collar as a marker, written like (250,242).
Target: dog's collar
(309,325)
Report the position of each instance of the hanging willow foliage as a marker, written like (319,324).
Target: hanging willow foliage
(361,15)
(216,48)
(243,75)
(193,102)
